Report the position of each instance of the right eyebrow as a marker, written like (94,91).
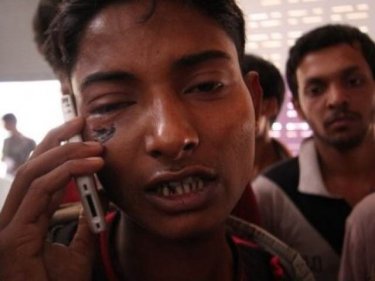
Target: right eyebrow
(98,77)
(314,80)
(192,60)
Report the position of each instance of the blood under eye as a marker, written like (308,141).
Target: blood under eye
(104,133)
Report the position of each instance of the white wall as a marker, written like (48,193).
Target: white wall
(19,59)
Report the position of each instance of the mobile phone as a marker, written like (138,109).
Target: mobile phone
(87,185)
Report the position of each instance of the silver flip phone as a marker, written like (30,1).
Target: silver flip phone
(87,186)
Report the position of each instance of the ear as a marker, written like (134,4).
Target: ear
(252,82)
(270,107)
(298,108)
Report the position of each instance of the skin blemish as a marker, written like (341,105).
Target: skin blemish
(103,134)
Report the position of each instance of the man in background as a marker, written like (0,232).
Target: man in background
(268,150)
(306,200)
(17,147)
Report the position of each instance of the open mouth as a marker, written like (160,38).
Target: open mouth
(183,187)
(184,191)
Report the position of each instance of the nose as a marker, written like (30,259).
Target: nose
(337,97)
(172,135)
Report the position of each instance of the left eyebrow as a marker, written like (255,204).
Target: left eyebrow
(192,60)
(98,77)
(350,70)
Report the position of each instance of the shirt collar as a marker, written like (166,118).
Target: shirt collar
(310,180)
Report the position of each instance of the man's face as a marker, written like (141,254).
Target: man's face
(336,95)
(167,99)
(9,125)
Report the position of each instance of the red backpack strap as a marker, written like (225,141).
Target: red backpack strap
(104,249)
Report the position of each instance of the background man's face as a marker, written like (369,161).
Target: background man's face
(336,95)
(9,125)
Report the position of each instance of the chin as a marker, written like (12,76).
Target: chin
(187,227)
(345,143)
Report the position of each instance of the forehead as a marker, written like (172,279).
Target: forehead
(120,35)
(331,61)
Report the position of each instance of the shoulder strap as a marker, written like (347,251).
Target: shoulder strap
(292,262)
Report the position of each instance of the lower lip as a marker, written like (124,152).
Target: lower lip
(341,123)
(184,202)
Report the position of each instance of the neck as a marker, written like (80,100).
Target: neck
(348,162)
(15,133)
(208,258)
(348,174)
(265,154)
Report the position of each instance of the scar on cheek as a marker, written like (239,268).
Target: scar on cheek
(104,134)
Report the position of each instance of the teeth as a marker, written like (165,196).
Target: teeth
(179,190)
(200,185)
(165,190)
(186,186)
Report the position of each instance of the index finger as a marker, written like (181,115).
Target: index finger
(59,134)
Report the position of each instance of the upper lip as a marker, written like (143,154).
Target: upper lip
(165,176)
(340,116)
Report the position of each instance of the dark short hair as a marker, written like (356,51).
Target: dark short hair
(67,28)
(45,12)
(271,80)
(9,117)
(323,37)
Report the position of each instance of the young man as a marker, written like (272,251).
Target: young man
(17,147)
(152,80)
(46,11)
(305,201)
(268,150)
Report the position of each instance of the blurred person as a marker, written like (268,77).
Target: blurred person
(268,150)
(16,147)
(151,114)
(306,200)
(358,255)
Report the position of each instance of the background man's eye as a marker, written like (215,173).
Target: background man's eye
(315,90)
(355,81)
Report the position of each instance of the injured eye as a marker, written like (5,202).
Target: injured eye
(103,134)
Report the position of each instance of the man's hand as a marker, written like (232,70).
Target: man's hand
(33,198)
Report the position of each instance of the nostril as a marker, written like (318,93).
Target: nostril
(171,151)
(189,146)
(155,153)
